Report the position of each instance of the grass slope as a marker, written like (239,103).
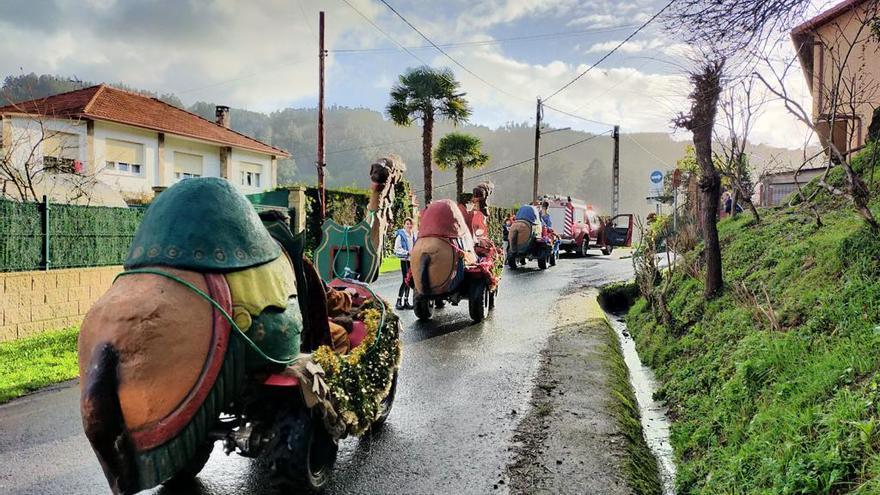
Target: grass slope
(29,364)
(785,410)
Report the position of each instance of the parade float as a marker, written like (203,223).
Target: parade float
(454,258)
(220,330)
(530,239)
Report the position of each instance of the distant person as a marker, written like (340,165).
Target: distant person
(403,244)
(505,231)
(729,206)
(545,215)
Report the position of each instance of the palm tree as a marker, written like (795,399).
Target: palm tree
(460,151)
(426,93)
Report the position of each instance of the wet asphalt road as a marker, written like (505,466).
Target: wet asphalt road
(462,390)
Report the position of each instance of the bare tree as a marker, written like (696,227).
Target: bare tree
(739,107)
(707,82)
(732,25)
(837,101)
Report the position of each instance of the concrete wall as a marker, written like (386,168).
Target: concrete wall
(128,183)
(264,161)
(35,302)
(860,93)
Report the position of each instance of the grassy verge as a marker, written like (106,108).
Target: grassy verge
(29,364)
(774,387)
(389,264)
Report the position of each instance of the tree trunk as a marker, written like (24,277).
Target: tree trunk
(707,88)
(459,180)
(427,144)
(710,196)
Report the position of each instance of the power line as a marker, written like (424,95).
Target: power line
(563,112)
(527,160)
(495,41)
(368,146)
(450,57)
(407,50)
(604,57)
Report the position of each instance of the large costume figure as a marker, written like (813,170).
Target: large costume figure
(213,304)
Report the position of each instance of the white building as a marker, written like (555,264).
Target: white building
(132,142)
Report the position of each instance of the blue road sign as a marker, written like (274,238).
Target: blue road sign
(656,177)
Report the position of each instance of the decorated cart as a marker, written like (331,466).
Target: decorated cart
(220,330)
(529,239)
(454,258)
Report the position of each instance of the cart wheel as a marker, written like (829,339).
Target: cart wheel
(301,454)
(607,250)
(542,263)
(186,475)
(492,295)
(477,301)
(385,405)
(422,308)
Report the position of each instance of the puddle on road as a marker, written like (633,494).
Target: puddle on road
(654,421)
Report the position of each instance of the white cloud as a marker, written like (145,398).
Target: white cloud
(265,58)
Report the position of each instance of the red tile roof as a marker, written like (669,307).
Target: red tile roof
(115,105)
(826,17)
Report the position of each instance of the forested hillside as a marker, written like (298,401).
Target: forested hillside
(355,136)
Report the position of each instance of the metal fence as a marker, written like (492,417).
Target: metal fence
(42,236)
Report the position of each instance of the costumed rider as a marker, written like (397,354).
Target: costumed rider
(478,218)
(545,215)
(403,244)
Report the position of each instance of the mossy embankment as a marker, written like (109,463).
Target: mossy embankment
(774,386)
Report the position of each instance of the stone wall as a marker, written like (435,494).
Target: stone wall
(40,301)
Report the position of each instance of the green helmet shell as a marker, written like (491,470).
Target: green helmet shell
(201,224)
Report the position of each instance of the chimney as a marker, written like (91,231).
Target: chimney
(222,115)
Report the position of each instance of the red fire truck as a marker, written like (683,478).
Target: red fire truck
(581,228)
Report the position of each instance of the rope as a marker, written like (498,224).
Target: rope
(213,303)
(345,231)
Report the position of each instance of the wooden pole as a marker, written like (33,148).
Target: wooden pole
(615,173)
(538,116)
(319,162)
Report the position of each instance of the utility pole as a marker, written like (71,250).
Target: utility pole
(615,173)
(539,113)
(319,161)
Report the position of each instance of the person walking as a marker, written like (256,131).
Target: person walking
(403,244)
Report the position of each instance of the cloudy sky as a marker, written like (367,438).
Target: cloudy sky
(262,54)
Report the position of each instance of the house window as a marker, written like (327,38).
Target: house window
(124,157)
(187,165)
(251,174)
(61,153)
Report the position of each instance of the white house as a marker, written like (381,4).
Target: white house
(134,143)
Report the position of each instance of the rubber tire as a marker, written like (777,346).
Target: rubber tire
(422,308)
(492,295)
(585,246)
(477,301)
(542,263)
(607,250)
(302,454)
(386,404)
(185,476)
